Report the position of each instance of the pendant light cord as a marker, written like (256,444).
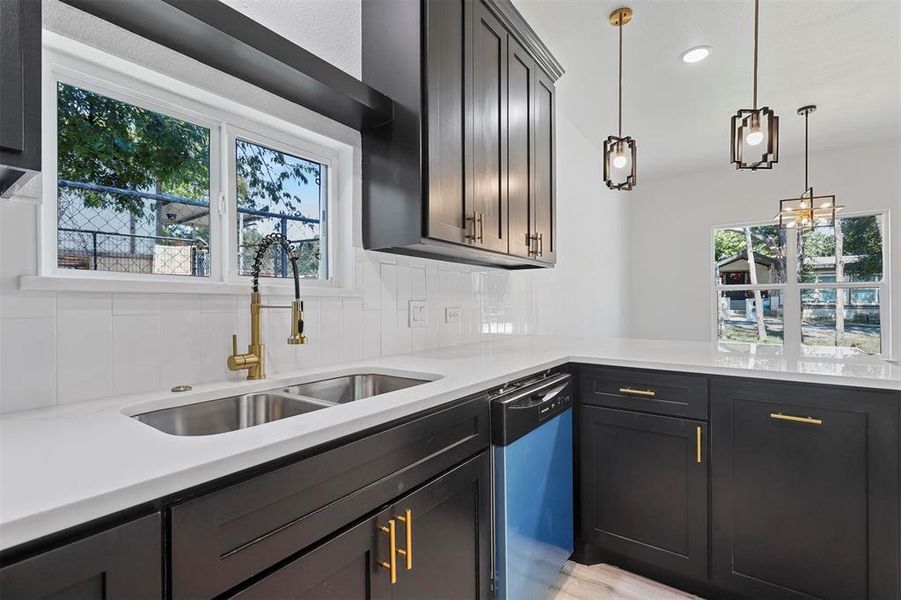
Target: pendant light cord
(806,153)
(756,27)
(621,76)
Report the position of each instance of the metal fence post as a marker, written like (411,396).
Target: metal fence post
(94,236)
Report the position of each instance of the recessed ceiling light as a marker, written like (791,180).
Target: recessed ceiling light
(696,54)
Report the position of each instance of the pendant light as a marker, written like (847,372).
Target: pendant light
(808,210)
(755,131)
(619,151)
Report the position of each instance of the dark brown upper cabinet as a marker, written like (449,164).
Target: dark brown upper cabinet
(452,177)
(20,92)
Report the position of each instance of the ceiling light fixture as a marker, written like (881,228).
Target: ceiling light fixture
(619,151)
(696,54)
(808,210)
(755,131)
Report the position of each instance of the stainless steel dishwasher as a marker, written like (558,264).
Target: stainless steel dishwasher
(532,439)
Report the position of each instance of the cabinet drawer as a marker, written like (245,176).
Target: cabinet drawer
(119,563)
(221,539)
(647,391)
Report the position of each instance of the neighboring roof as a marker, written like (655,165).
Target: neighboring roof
(760,259)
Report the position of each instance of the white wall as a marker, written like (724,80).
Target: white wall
(670,222)
(585,293)
(64,347)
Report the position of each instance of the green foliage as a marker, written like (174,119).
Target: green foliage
(862,238)
(765,239)
(104,141)
(263,175)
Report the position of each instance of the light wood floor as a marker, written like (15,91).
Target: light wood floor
(605,582)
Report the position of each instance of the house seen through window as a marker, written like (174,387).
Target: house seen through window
(834,275)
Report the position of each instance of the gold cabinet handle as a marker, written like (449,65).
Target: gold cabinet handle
(698,429)
(391,565)
(795,419)
(481,228)
(540,244)
(634,392)
(407,552)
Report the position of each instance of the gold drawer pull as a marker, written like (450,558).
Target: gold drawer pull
(793,418)
(391,565)
(634,392)
(407,552)
(699,443)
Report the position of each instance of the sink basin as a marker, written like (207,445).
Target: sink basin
(229,414)
(348,388)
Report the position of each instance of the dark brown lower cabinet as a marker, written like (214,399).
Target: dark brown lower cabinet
(805,491)
(644,488)
(449,544)
(122,563)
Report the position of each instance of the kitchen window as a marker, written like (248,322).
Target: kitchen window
(146,183)
(821,292)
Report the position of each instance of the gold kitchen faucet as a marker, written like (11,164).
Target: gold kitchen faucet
(254,359)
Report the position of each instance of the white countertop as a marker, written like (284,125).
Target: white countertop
(67,465)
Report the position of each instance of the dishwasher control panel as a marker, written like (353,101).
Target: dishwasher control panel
(519,409)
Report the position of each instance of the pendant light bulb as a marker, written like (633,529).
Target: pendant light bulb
(619,159)
(754,137)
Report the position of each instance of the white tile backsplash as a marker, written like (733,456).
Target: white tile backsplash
(69,347)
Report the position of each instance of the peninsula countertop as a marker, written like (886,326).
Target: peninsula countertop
(67,465)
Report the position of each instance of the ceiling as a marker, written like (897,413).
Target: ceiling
(844,56)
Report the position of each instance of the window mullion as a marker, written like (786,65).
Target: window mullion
(792,310)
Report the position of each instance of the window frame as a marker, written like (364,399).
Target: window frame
(791,291)
(73,63)
(275,140)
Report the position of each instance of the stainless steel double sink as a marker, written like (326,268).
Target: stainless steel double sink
(247,410)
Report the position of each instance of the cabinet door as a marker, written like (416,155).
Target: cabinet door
(520,111)
(544,196)
(124,562)
(805,491)
(450,536)
(448,27)
(488,121)
(644,488)
(346,567)
(20,92)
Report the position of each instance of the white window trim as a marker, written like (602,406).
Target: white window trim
(791,291)
(69,61)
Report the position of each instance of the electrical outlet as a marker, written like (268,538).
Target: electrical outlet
(419,313)
(452,314)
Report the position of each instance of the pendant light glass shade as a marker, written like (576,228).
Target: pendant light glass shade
(619,150)
(755,131)
(619,163)
(808,210)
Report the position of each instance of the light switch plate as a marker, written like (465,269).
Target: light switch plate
(419,313)
(452,314)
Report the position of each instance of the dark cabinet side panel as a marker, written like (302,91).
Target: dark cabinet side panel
(520,109)
(489,128)
(20,92)
(122,563)
(810,507)
(644,488)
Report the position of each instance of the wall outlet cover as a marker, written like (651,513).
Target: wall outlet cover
(452,314)
(419,313)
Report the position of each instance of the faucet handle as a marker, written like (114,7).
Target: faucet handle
(234,344)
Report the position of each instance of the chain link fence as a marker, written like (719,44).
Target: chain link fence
(102,228)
